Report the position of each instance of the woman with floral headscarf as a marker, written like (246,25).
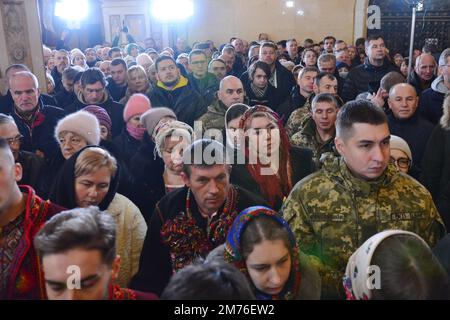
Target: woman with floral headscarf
(261,244)
(272,166)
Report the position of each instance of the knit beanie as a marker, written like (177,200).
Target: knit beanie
(151,118)
(398,143)
(101,115)
(173,128)
(81,123)
(136,105)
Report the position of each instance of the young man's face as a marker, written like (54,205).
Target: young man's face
(219,69)
(326,85)
(324,115)
(78,274)
(168,72)
(366,150)
(118,74)
(306,82)
(328,45)
(94,93)
(376,49)
(198,65)
(268,55)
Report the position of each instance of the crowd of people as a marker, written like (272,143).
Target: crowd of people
(260,170)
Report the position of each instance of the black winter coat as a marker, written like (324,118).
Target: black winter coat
(114,109)
(187,103)
(360,77)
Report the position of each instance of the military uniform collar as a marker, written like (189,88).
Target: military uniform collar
(363,187)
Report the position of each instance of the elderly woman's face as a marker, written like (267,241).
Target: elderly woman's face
(172,154)
(91,188)
(402,162)
(69,143)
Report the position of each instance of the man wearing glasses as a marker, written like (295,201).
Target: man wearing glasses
(204,82)
(93,92)
(32,165)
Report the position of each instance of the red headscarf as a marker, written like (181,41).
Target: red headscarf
(278,186)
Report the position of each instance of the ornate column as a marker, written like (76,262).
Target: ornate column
(20,37)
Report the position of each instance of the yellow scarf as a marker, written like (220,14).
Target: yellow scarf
(181,83)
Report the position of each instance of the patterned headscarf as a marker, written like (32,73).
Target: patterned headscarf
(233,251)
(356,279)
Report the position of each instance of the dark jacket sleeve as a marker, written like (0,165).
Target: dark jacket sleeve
(433,162)
(349,91)
(155,268)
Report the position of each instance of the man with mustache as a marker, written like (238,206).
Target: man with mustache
(191,221)
(333,211)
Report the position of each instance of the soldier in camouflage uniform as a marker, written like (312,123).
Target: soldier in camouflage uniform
(333,211)
(323,83)
(231,91)
(318,131)
(305,87)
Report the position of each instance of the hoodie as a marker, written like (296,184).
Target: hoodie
(431,100)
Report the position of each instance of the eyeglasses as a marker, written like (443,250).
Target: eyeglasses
(403,163)
(15,140)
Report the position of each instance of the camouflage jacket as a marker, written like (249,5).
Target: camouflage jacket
(332,213)
(297,118)
(308,137)
(214,118)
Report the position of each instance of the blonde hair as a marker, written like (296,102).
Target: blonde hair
(92,159)
(137,68)
(445,119)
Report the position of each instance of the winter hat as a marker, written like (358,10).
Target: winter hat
(81,123)
(398,143)
(136,105)
(173,128)
(151,118)
(101,115)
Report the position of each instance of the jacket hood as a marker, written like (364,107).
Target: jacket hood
(439,85)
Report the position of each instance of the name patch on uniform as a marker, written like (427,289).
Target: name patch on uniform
(397,216)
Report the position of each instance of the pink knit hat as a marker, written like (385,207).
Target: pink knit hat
(136,105)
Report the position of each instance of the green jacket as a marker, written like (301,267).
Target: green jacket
(308,137)
(332,213)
